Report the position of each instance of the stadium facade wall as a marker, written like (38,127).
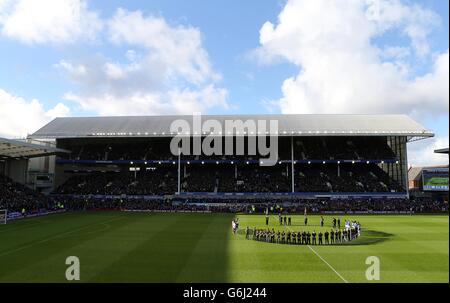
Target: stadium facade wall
(16,169)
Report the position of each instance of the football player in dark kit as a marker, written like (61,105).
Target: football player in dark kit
(284,220)
(332,236)
(288,237)
(321,221)
(306,221)
(320,238)
(326,237)
(289,221)
(314,236)
(283,237)
(267,219)
(339,223)
(308,238)
(304,237)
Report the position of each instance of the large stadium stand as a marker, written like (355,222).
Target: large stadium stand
(325,163)
(15,197)
(15,194)
(353,155)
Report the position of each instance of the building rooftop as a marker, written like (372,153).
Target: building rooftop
(288,125)
(23,149)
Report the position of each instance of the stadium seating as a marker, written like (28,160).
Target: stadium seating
(260,205)
(158,182)
(228,178)
(15,197)
(88,185)
(305,148)
(232,178)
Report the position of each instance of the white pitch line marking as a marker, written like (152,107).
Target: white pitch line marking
(320,257)
(324,261)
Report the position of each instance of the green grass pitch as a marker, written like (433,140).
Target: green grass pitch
(151,247)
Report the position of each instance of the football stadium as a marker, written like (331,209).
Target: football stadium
(221,198)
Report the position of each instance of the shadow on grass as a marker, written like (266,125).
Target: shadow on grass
(368,237)
(174,248)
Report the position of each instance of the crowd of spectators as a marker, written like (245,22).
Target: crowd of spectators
(349,205)
(346,178)
(305,148)
(226,178)
(329,148)
(17,197)
(256,205)
(157,182)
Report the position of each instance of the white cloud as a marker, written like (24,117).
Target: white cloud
(19,117)
(422,153)
(414,21)
(396,52)
(75,70)
(61,21)
(158,103)
(342,70)
(179,48)
(169,72)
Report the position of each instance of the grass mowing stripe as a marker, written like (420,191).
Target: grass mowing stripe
(175,236)
(24,223)
(207,261)
(200,248)
(33,224)
(56,237)
(28,222)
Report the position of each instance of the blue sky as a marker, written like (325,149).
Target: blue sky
(232,68)
(229,29)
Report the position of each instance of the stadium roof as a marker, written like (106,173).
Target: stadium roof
(441,151)
(298,125)
(21,149)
